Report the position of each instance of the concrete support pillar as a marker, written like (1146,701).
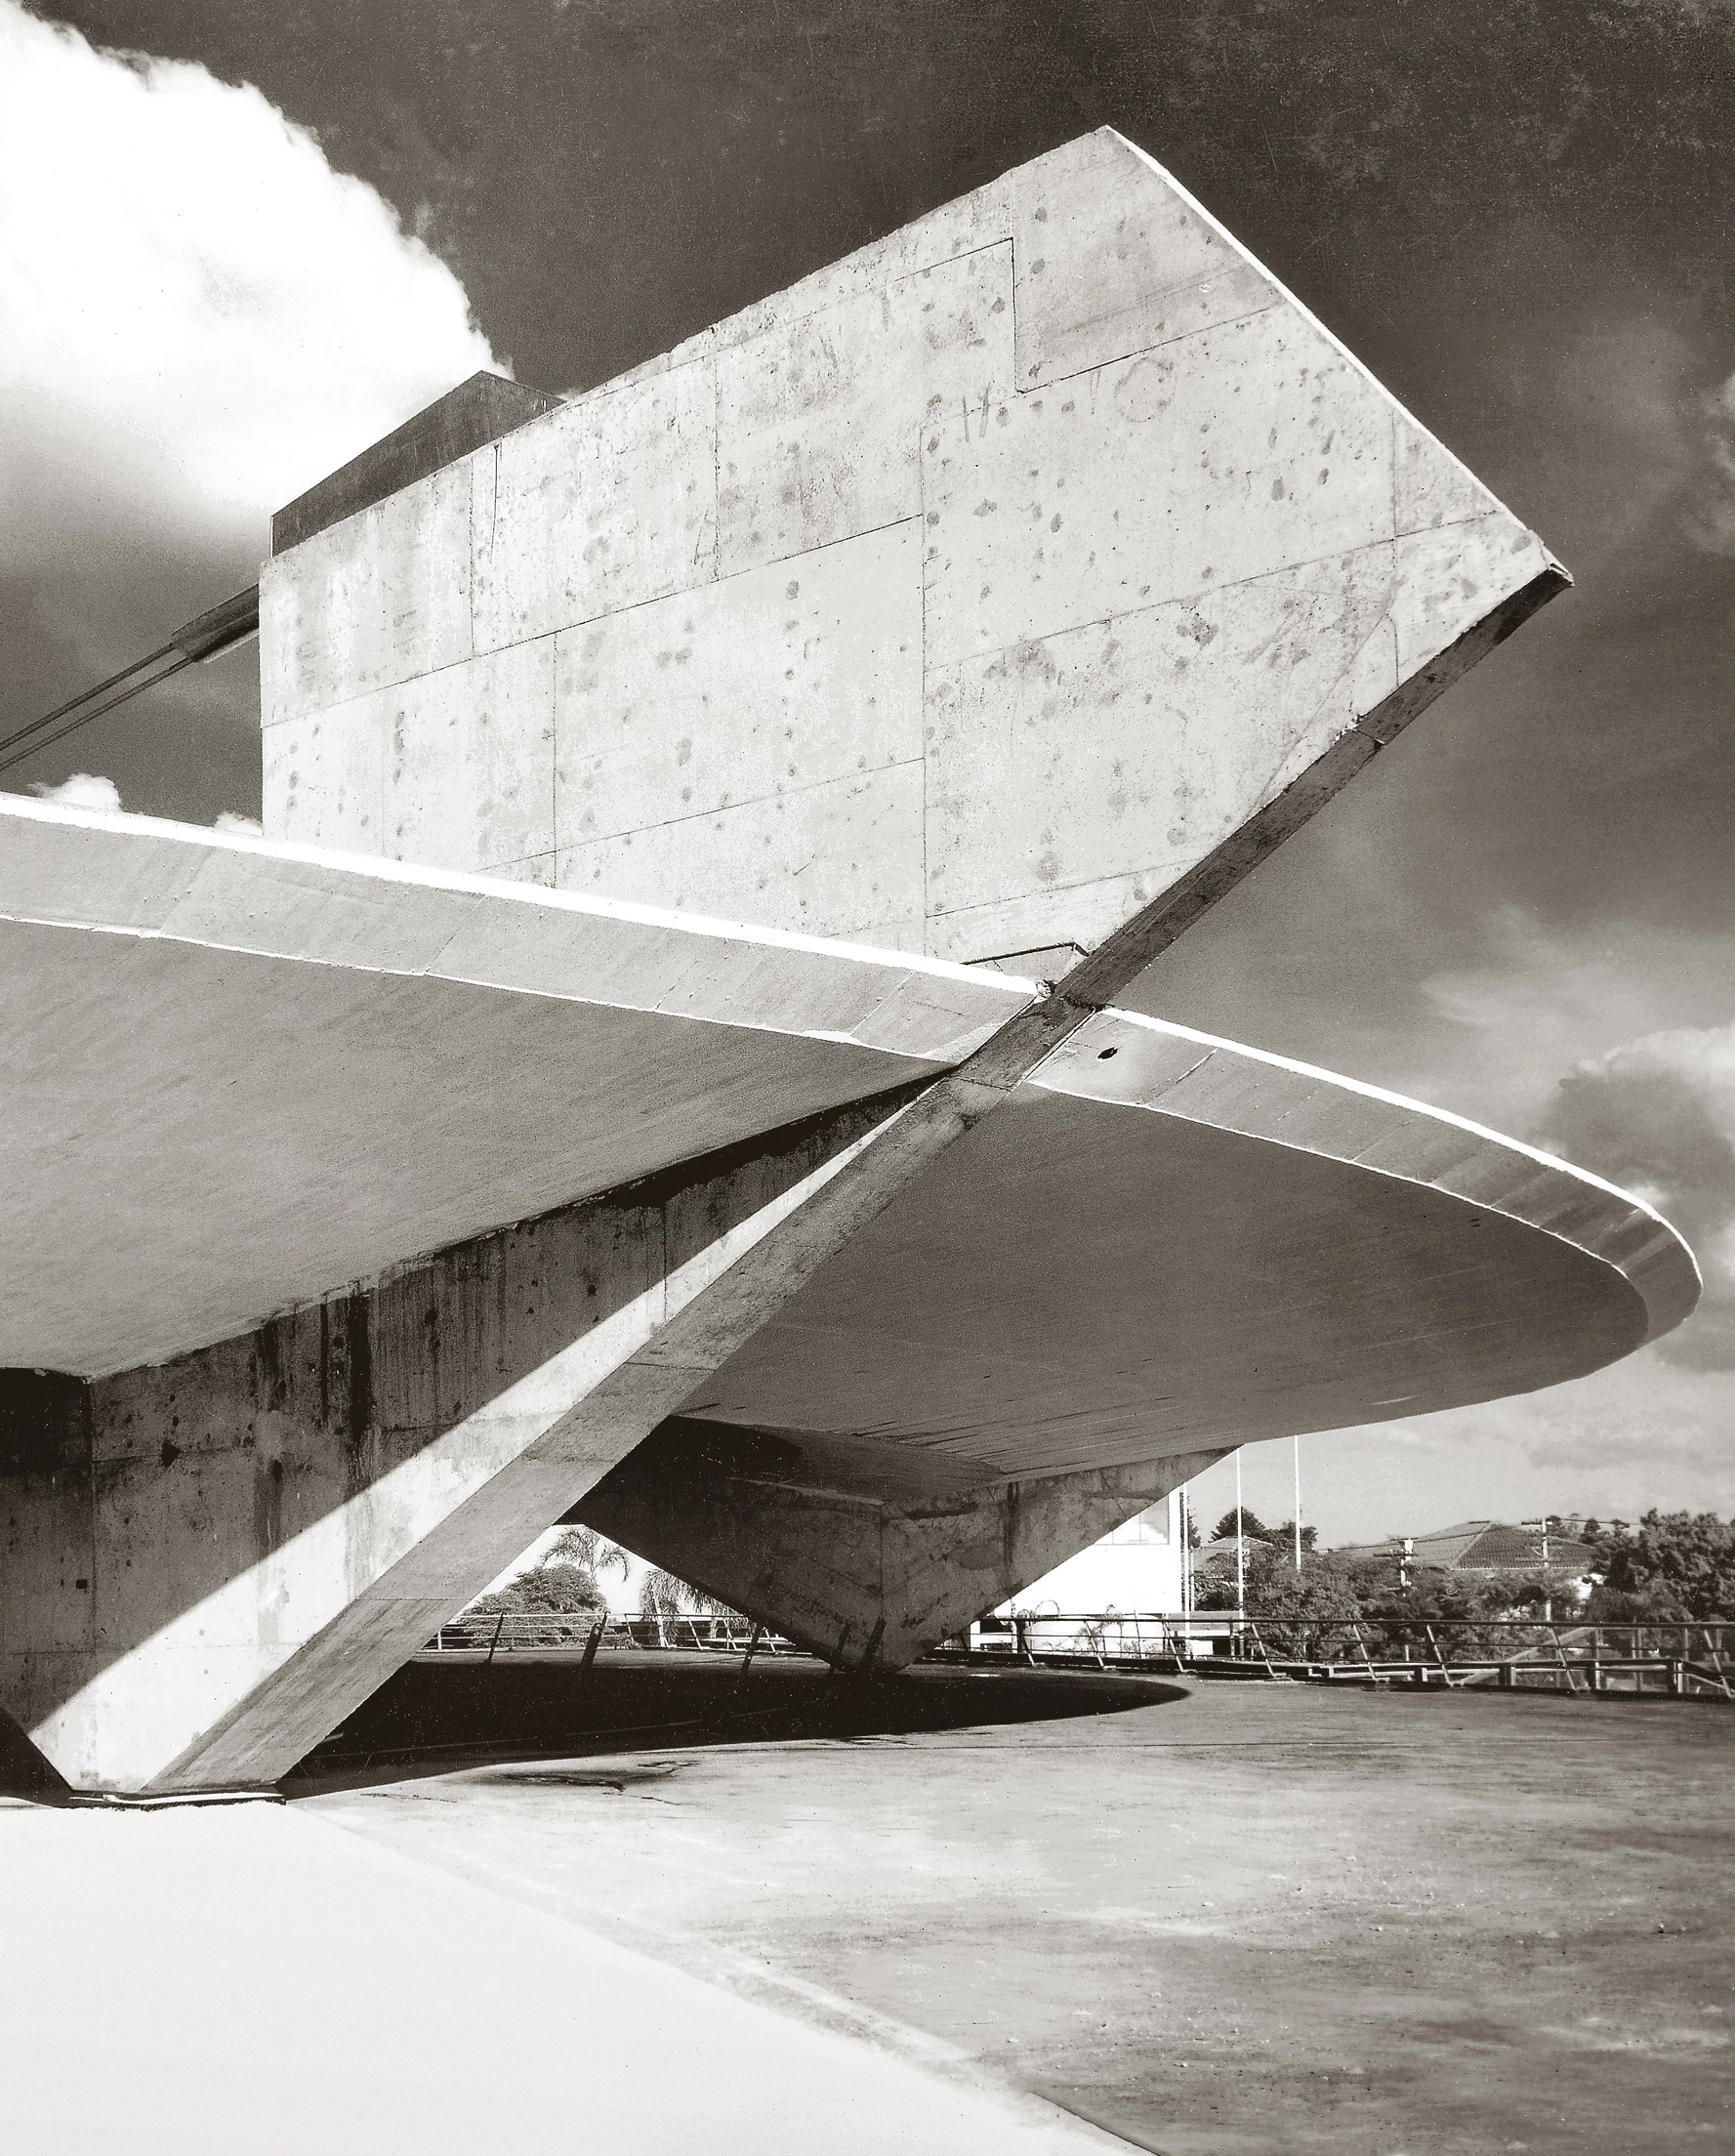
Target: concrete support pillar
(209,1563)
(866,1581)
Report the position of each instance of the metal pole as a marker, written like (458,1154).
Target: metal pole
(1297,1442)
(1240,1548)
(1547,1597)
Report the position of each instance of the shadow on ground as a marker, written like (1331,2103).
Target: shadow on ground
(434,1715)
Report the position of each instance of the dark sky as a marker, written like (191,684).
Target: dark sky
(1518,214)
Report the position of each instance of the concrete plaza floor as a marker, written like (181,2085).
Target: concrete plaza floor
(963,1912)
(1230,1919)
(250,1980)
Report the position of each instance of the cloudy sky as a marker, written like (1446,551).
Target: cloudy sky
(234,259)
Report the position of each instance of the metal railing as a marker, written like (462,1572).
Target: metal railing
(491,1633)
(1096,1639)
(1682,1659)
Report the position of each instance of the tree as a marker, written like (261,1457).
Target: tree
(561,1589)
(1253,1528)
(662,1596)
(1672,1566)
(583,1545)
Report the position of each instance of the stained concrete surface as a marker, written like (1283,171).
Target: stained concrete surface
(1244,1919)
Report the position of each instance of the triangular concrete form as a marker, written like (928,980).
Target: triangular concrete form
(965,596)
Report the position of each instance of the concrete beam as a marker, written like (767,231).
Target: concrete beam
(817,1553)
(478,412)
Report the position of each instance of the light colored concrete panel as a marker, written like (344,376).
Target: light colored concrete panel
(470,761)
(1132,747)
(1114,257)
(325,779)
(133,875)
(59,868)
(974,220)
(1179,1072)
(1451,577)
(824,861)
(1221,457)
(819,424)
(763,683)
(606,503)
(537,868)
(377,598)
(1431,487)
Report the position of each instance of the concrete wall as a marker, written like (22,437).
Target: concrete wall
(960,599)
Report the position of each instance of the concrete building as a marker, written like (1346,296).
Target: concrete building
(661,1066)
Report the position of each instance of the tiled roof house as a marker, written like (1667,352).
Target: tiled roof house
(1483,1546)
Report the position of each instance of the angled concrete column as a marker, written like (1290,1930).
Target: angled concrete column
(865,1580)
(221,1555)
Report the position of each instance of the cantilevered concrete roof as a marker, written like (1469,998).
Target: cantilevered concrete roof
(237,1075)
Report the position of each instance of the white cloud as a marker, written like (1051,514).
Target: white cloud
(1712,526)
(1497,1035)
(83,790)
(181,268)
(1659,1113)
(198,318)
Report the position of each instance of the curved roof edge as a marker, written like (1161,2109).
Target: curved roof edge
(1172,1070)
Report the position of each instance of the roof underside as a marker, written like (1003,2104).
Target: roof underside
(239,1076)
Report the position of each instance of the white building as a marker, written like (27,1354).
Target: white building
(1141,1566)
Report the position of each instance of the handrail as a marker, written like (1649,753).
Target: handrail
(1688,1655)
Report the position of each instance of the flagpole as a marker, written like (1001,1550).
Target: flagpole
(1297,1442)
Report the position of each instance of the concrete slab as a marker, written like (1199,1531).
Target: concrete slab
(369,1062)
(242,1075)
(819,433)
(466,778)
(391,601)
(701,699)
(1255,1920)
(252,1978)
(606,503)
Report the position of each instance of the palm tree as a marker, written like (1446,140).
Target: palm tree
(583,1546)
(662,1597)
